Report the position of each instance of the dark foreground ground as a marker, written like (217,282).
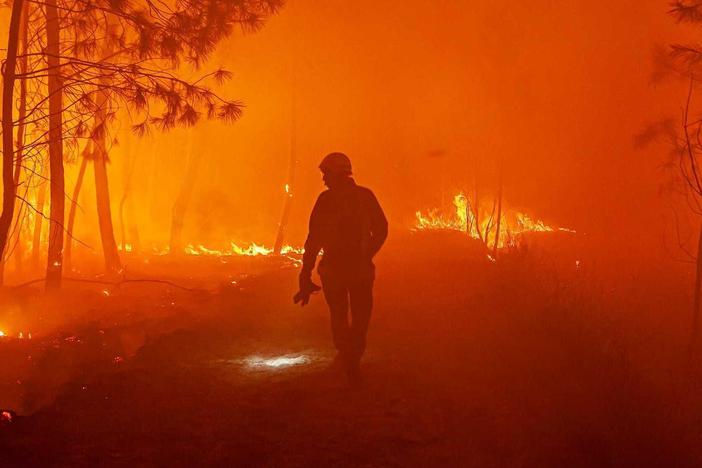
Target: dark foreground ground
(524,363)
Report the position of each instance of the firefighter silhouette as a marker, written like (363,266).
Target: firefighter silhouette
(349,227)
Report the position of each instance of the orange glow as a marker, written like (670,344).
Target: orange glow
(536,301)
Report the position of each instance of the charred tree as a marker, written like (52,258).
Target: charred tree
(498,222)
(292,160)
(54,270)
(125,203)
(287,208)
(476,229)
(38,223)
(113,264)
(68,257)
(102,192)
(21,133)
(8,144)
(287,202)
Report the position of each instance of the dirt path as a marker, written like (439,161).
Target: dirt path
(201,396)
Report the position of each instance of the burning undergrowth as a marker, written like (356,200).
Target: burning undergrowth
(492,224)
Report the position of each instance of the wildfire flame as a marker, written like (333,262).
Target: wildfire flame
(253,250)
(464,219)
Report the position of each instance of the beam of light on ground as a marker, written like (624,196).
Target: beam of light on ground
(277,362)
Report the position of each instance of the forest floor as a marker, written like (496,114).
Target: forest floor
(523,363)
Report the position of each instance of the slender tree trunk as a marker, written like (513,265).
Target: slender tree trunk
(21,125)
(285,216)
(38,221)
(292,163)
(122,229)
(292,166)
(180,207)
(54,270)
(132,229)
(125,204)
(488,224)
(18,251)
(498,224)
(8,144)
(102,191)
(68,257)
(19,146)
(476,212)
(113,265)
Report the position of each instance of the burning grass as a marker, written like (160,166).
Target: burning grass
(470,218)
(253,250)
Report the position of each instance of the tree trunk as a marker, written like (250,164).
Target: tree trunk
(21,131)
(498,224)
(102,192)
(68,257)
(125,203)
(180,207)
(292,166)
(488,223)
(21,125)
(113,265)
(476,213)
(54,270)
(122,229)
(132,232)
(292,163)
(284,217)
(38,221)
(8,144)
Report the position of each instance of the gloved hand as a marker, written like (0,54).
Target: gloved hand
(307,288)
